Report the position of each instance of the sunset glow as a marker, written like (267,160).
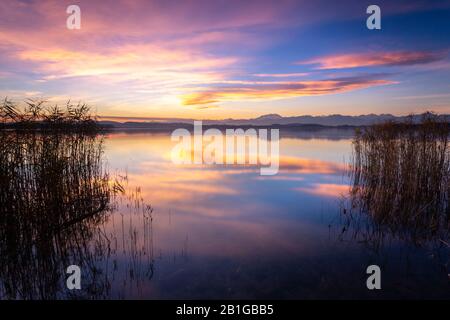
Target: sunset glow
(215,60)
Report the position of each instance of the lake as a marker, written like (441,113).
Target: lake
(226,232)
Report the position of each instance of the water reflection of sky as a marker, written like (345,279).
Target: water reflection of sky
(310,178)
(227,232)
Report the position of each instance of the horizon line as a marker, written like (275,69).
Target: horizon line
(256,117)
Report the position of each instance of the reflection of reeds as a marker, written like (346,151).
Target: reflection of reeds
(52,190)
(55,201)
(401,174)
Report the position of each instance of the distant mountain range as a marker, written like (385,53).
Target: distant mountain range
(335,120)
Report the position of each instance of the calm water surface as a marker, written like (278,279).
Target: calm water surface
(227,232)
(142,227)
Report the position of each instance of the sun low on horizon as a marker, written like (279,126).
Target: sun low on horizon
(228,59)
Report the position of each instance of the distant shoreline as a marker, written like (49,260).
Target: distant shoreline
(172,126)
(335,120)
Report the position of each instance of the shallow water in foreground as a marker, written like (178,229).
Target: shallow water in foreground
(226,232)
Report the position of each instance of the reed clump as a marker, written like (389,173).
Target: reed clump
(54,191)
(401,172)
(36,114)
(57,208)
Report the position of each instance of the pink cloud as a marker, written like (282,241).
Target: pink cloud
(282,91)
(354,60)
(281,75)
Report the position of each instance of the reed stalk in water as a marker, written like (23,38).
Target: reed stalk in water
(401,173)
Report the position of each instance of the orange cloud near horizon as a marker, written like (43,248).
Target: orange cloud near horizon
(288,90)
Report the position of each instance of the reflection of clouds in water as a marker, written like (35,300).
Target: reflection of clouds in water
(326,189)
(226,209)
(211,221)
(215,187)
(206,186)
(309,166)
(216,225)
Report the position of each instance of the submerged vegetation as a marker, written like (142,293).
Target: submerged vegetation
(36,114)
(401,177)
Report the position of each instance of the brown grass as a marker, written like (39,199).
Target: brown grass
(37,114)
(401,174)
(56,205)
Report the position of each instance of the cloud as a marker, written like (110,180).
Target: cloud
(124,62)
(355,60)
(149,56)
(281,75)
(282,91)
(150,51)
(43,22)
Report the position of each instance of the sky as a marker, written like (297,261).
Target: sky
(217,59)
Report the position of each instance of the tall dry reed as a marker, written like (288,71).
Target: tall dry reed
(401,174)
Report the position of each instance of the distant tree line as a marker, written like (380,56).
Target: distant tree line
(36,114)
